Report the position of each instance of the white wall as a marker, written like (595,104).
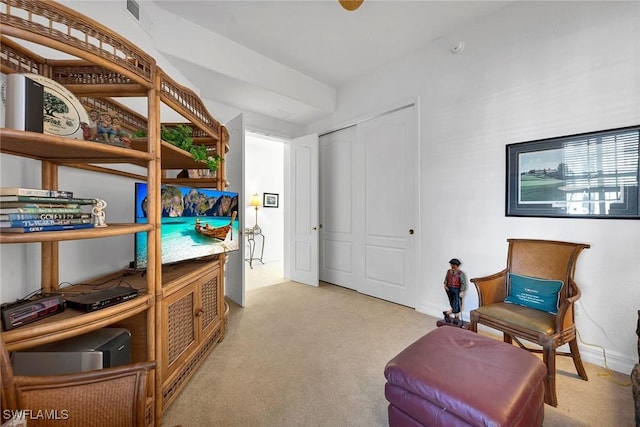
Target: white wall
(264,165)
(534,70)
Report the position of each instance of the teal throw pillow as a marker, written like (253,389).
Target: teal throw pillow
(541,294)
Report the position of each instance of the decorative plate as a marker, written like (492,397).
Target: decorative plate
(63,112)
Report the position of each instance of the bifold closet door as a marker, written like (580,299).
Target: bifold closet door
(337,210)
(369,207)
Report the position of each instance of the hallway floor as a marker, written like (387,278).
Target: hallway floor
(261,275)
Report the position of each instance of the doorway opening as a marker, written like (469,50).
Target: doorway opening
(264,202)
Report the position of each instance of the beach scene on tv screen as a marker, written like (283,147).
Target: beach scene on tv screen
(196,223)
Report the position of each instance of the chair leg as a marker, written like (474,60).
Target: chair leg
(577,360)
(473,321)
(549,359)
(507,338)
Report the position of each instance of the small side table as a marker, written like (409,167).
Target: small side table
(251,234)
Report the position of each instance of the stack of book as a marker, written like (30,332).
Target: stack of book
(28,210)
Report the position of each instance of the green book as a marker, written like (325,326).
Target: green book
(37,199)
(39,210)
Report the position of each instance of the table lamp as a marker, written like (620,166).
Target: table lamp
(256,202)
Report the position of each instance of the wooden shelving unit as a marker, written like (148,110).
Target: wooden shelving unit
(109,66)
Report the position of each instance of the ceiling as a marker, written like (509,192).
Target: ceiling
(319,40)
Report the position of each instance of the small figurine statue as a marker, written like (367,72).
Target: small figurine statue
(455,284)
(105,128)
(99,214)
(86,131)
(121,135)
(92,134)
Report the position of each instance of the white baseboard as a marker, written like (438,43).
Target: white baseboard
(436,311)
(615,361)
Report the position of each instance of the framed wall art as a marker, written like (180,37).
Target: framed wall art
(590,175)
(270,200)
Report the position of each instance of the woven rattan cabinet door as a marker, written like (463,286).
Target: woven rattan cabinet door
(181,333)
(209,310)
(192,313)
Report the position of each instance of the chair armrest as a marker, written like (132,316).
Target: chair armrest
(492,288)
(562,320)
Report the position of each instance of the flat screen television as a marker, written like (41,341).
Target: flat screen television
(196,223)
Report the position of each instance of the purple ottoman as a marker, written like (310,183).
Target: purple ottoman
(454,377)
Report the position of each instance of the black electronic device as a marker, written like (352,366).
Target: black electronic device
(96,300)
(22,312)
(102,348)
(25,101)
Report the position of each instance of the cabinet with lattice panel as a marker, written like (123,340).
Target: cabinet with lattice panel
(192,307)
(107,66)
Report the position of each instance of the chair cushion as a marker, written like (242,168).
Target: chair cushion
(532,292)
(520,317)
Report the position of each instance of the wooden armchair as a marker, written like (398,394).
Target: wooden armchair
(108,397)
(540,259)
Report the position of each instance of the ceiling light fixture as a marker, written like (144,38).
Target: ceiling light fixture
(351,5)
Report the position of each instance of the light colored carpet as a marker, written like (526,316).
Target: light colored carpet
(303,356)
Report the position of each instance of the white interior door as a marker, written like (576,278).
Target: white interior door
(386,185)
(234,167)
(337,211)
(301,259)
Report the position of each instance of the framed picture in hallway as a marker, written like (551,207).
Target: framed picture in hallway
(589,175)
(270,200)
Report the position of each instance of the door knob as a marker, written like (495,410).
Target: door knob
(411,231)
(314,228)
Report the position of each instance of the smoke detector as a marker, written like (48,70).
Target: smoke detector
(457,47)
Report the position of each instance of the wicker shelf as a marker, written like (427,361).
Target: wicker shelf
(107,66)
(71,322)
(57,149)
(86,233)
